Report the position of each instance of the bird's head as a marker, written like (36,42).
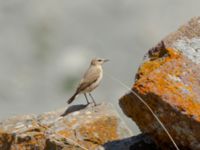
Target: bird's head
(98,61)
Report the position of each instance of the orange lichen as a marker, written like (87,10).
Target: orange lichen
(99,132)
(158,82)
(5,137)
(151,65)
(30,142)
(66,133)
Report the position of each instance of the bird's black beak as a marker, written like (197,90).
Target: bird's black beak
(106,60)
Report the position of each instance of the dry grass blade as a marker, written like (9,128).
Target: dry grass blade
(149,108)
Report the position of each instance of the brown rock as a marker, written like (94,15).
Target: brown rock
(169,81)
(5,140)
(80,127)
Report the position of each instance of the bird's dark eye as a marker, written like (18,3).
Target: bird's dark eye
(99,60)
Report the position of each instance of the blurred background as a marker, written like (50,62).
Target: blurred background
(46,45)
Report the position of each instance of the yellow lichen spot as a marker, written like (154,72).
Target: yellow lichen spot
(99,132)
(173,53)
(151,65)
(66,133)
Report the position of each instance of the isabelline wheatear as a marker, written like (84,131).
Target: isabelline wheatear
(90,80)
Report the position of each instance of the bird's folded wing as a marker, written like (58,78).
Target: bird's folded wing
(90,77)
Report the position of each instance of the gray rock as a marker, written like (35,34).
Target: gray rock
(78,127)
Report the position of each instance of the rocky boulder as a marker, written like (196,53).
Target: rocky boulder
(169,82)
(79,127)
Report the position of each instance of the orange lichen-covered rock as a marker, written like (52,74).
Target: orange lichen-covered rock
(22,132)
(169,82)
(79,127)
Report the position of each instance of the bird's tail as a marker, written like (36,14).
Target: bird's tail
(72,98)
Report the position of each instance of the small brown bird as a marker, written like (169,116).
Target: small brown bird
(90,80)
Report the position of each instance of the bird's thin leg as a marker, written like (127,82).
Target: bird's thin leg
(92,99)
(86,99)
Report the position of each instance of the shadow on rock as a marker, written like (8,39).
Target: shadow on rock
(140,142)
(72,109)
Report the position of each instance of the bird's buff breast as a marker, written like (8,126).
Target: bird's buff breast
(94,85)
